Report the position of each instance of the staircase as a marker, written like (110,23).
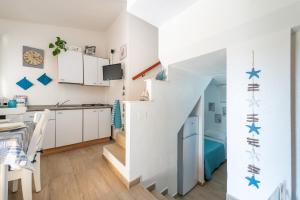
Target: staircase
(115,154)
(148,153)
(159,195)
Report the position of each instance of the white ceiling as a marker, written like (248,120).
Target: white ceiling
(157,12)
(92,14)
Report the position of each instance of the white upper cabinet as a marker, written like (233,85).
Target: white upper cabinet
(73,67)
(90,64)
(93,70)
(101,63)
(70,67)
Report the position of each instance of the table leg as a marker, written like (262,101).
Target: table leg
(3,182)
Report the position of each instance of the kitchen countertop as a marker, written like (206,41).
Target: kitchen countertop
(31,108)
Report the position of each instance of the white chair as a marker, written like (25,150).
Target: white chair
(33,154)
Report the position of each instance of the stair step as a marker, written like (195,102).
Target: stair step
(158,195)
(169,197)
(139,192)
(121,139)
(117,151)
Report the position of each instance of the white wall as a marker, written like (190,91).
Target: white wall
(141,39)
(240,27)
(117,35)
(272,56)
(212,25)
(215,94)
(142,53)
(152,128)
(16,34)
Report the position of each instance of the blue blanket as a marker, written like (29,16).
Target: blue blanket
(214,156)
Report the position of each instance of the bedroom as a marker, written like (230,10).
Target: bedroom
(215,130)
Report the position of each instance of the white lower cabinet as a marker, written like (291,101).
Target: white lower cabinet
(90,124)
(49,138)
(104,123)
(68,127)
(96,123)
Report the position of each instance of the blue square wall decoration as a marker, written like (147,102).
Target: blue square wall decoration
(24,83)
(44,79)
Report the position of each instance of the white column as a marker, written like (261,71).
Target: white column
(3,182)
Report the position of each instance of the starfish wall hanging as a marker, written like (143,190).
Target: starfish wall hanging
(253,118)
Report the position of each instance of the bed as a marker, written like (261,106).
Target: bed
(214,156)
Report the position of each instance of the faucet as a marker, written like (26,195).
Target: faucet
(60,104)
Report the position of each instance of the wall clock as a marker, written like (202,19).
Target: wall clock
(33,57)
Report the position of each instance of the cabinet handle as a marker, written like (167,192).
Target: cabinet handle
(59,113)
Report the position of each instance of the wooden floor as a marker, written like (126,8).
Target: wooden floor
(212,190)
(84,175)
(81,175)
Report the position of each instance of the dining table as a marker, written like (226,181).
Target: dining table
(13,148)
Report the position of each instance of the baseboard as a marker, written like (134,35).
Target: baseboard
(164,191)
(201,184)
(176,196)
(128,184)
(75,146)
(151,187)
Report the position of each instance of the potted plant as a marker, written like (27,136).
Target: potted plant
(58,46)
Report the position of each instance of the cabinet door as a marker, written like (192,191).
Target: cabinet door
(70,67)
(104,122)
(68,127)
(90,70)
(90,124)
(49,138)
(28,116)
(101,63)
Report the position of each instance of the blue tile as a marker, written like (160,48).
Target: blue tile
(44,79)
(24,83)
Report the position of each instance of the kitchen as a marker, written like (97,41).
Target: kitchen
(80,72)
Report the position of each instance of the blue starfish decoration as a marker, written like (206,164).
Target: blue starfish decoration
(253,181)
(253,128)
(253,73)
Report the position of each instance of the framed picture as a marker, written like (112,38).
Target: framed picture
(211,107)
(33,57)
(224,111)
(90,50)
(123,52)
(218,118)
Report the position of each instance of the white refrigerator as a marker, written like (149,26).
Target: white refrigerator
(188,155)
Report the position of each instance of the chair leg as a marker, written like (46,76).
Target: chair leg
(26,181)
(15,184)
(37,174)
